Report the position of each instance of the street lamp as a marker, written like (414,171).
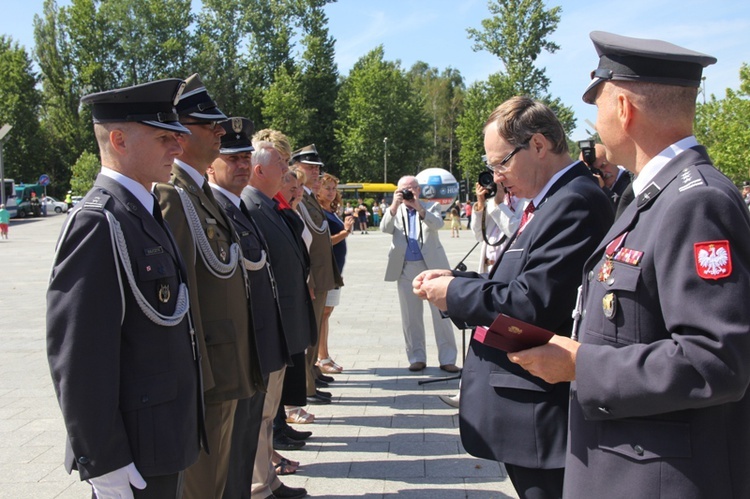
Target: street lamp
(385,160)
(3,132)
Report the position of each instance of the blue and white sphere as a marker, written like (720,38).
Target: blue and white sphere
(438,186)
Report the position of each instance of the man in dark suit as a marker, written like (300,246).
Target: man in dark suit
(268,168)
(324,273)
(210,246)
(506,414)
(660,405)
(613,178)
(119,337)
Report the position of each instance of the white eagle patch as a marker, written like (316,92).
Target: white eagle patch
(713,259)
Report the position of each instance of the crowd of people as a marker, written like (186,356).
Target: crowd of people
(189,304)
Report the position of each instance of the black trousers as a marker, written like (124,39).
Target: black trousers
(535,483)
(247,421)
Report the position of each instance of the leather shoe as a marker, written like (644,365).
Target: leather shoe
(319,383)
(282,442)
(284,492)
(318,400)
(327,395)
(450,400)
(294,434)
(326,378)
(450,368)
(417,366)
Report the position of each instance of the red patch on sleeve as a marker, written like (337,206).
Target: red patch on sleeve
(713,259)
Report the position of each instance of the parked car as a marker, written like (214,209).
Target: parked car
(57,206)
(75,199)
(29,209)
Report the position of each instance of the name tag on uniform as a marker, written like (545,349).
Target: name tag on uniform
(211,221)
(153,251)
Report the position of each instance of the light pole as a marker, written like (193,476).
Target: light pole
(385,160)
(3,132)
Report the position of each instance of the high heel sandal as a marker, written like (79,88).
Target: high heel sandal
(329,366)
(299,416)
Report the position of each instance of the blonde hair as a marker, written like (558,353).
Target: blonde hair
(279,140)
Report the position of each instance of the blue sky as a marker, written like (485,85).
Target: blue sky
(434,31)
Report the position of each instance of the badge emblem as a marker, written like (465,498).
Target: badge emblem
(609,305)
(210,231)
(515,330)
(164,293)
(713,260)
(223,255)
(237,125)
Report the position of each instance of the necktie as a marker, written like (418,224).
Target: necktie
(207,191)
(156,212)
(528,214)
(627,197)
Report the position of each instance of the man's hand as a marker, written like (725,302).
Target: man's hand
(554,362)
(432,285)
(398,198)
(116,484)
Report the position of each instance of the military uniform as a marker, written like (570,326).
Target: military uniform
(659,406)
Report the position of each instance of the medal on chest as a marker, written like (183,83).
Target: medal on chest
(607,266)
(164,293)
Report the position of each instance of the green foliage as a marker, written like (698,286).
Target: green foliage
(284,109)
(84,171)
(516,34)
(377,101)
(723,126)
(442,96)
(23,152)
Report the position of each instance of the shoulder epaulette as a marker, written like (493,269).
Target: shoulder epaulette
(690,177)
(98,201)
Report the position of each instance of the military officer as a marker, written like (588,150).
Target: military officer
(211,248)
(120,341)
(659,406)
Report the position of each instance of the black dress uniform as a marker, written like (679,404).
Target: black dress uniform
(128,387)
(660,405)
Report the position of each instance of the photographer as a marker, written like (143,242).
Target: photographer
(495,219)
(612,178)
(415,247)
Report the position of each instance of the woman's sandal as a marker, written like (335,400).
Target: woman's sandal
(286,467)
(299,416)
(329,366)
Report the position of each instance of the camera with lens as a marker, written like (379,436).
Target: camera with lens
(487,180)
(408,195)
(588,151)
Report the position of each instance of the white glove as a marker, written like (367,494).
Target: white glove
(116,484)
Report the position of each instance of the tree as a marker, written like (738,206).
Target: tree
(84,172)
(284,107)
(442,96)
(516,34)
(377,101)
(319,79)
(23,154)
(723,126)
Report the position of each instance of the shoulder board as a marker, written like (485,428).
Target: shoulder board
(689,177)
(97,201)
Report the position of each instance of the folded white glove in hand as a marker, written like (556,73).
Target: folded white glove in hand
(116,484)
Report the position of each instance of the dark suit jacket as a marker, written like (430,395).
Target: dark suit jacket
(660,405)
(506,413)
(615,192)
(220,306)
(288,260)
(269,334)
(324,273)
(128,388)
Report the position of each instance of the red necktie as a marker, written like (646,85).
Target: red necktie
(526,218)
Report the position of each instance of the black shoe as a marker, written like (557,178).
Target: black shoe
(320,383)
(326,378)
(284,492)
(296,434)
(318,400)
(327,395)
(282,442)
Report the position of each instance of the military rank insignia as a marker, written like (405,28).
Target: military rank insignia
(713,260)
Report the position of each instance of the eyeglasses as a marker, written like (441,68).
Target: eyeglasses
(211,125)
(500,167)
